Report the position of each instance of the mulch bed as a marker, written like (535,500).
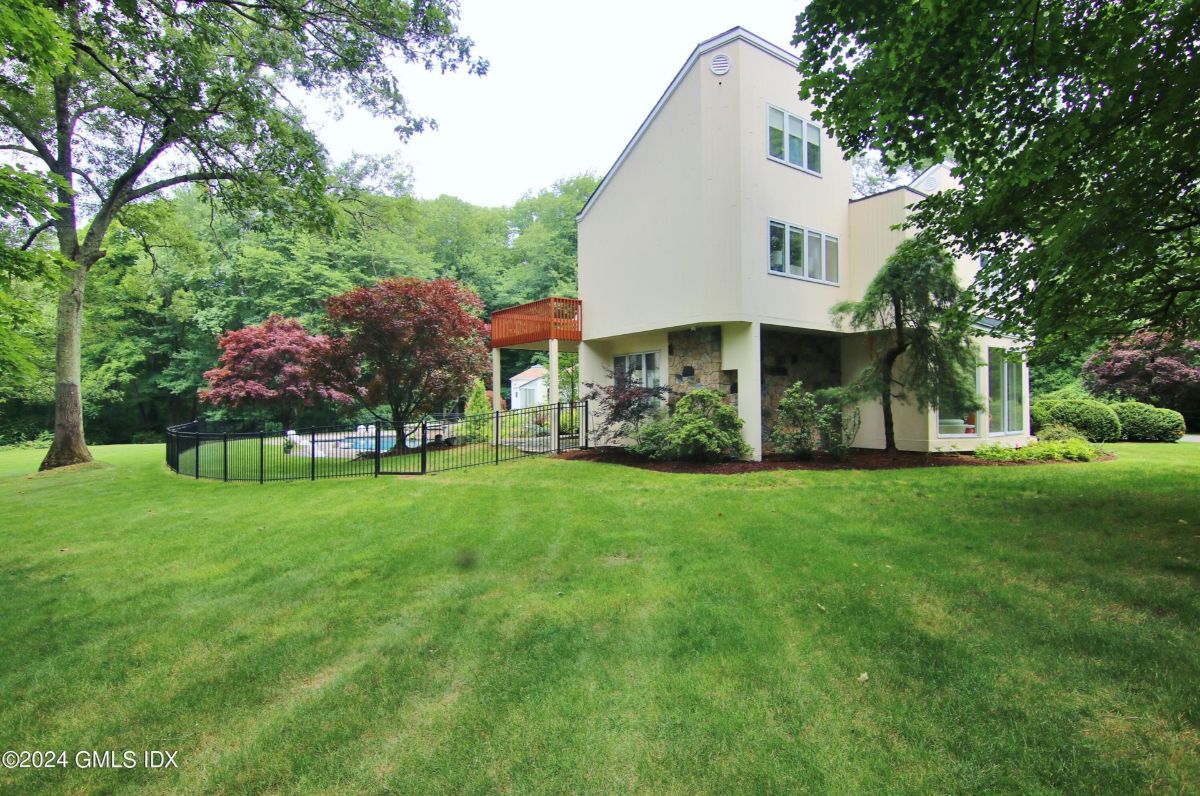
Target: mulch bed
(859,459)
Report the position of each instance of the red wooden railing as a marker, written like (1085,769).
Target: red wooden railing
(544,319)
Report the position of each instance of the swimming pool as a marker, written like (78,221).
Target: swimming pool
(368,443)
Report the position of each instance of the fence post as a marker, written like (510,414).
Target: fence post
(378,445)
(312,453)
(262,456)
(225,456)
(583,424)
(424,445)
(197,435)
(497,446)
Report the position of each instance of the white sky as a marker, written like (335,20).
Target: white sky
(568,84)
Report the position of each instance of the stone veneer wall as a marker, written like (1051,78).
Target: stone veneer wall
(788,357)
(694,360)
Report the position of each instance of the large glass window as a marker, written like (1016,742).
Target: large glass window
(640,369)
(955,419)
(803,253)
(1006,392)
(793,140)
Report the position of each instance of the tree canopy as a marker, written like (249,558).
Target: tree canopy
(265,366)
(407,344)
(160,94)
(1073,126)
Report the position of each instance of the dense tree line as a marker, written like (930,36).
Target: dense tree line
(178,273)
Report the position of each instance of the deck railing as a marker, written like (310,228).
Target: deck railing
(544,319)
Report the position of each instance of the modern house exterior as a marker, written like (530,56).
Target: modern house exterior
(715,247)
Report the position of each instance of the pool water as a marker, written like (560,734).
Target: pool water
(367,443)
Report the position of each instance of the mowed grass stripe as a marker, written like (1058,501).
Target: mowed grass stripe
(550,626)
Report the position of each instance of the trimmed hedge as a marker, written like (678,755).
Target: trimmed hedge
(1094,419)
(1145,423)
(1059,432)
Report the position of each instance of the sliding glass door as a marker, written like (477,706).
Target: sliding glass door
(1006,392)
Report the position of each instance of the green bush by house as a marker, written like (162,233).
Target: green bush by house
(702,428)
(1096,420)
(827,420)
(1145,423)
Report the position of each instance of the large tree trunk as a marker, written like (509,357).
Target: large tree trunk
(68,446)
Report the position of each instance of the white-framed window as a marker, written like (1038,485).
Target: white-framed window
(792,140)
(529,397)
(802,253)
(641,368)
(955,420)
(1006,392)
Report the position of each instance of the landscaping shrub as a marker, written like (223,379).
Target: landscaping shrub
(1077,450)
(1039,413)
(623,406)
(1145,423)
(827,420)
(478,411)
(702,428)
(796,431)
(1059,432)
(1094,419)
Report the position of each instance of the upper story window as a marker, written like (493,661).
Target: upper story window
(803,253)
(792,140)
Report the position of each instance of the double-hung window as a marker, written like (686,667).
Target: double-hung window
(641,369)
(793,140)
(1006,392)
(803,253)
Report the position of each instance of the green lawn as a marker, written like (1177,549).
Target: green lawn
(565,626)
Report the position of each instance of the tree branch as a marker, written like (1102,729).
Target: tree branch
(31,135)
(38,230)
(179,179)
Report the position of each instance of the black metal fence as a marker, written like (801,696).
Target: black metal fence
(232,452)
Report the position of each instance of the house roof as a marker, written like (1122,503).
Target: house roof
(531,373)
(731,35)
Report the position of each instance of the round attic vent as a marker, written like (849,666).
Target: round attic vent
(719,64)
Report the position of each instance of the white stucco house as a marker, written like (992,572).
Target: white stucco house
(714,248)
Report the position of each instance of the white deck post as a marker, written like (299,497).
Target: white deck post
(555,397)
(497,404)
(554,394)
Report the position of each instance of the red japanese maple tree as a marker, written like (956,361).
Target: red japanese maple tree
(266,366)
(406,344)
(1150,367)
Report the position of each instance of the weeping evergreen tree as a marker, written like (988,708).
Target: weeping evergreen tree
(916,310)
